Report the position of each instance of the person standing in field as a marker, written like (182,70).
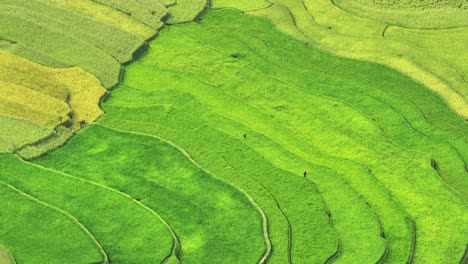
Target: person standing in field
(305,174)
(245,135)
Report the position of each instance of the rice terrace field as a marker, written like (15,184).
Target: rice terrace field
(233,131)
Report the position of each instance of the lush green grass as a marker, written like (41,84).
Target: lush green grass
(243,76)
(386,94)
(224,156)
(229,138)
(227,144)
(430,57)
(35,232)
(214,222)
(128,231)
(396,224)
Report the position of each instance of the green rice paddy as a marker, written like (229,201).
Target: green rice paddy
(274,131)
(429,56)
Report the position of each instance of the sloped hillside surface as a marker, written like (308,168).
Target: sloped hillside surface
(41,106)
(226,140)
(83,38)
(378,159)
(429,54)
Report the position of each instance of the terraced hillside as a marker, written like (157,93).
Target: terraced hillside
(225,140)
(432,57)
(77,36)
(413,14)
(42,106)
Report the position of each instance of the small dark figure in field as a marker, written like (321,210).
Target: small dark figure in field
(305,174)
(245,136)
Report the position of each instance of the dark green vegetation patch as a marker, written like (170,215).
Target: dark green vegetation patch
(212,220)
